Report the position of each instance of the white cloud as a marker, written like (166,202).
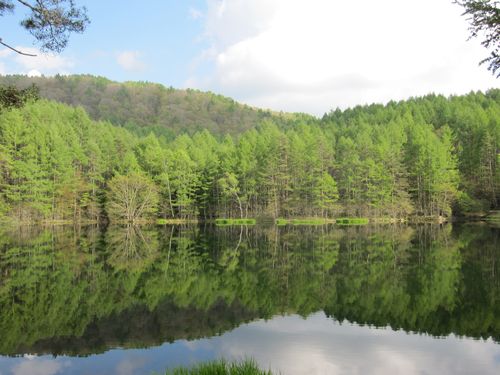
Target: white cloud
(35,366)
(130,365)
(289,55)
(195,13)
(34,73)
(130,60)
(5,52)
(45,63)
(318,345)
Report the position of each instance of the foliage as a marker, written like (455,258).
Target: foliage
(49,21)
(352,221)
(221,222)
(131,198)
(423,157)
(484,19)
(220,367)
(10,97)
(144,107)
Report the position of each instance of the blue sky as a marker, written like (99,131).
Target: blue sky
(289,345)
(160,38)
(292,55)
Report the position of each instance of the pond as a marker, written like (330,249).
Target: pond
(297,299)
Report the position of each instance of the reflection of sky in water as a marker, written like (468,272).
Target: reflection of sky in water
(290,345)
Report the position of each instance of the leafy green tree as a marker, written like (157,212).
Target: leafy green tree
(131,198)
(326,194)
(229,188)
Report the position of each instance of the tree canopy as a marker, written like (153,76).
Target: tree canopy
(424,157)
(145,107)
(50,22)
(10,96)
(484,19)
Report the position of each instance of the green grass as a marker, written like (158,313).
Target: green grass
(224,222)
(316,221)
(220,367)
(493,217)
(163,221)
(352,221)
(308,221)
(281,221)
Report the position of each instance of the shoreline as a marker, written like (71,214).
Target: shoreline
(294,221)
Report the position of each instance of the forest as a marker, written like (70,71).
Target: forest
(144,107)
(424,157)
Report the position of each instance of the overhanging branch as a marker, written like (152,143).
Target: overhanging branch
(16,50)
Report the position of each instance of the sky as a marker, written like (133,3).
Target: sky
(286,55)
(288,345)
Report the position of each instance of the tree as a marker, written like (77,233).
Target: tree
(229,188)
(49,21)
(484,18)
(131,198)
(10,97)
(326,194)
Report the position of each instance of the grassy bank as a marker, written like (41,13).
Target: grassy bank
(308,221)
(220,367)
(224,222)
(352,221)
(493,217)
(322,221)
(176,221)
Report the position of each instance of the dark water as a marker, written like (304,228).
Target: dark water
(300,300)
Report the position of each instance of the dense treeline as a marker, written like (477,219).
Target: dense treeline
(442,135)
(143,107)
(135,286)
(423,157)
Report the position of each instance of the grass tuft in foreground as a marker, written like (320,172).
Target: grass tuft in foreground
(220,367)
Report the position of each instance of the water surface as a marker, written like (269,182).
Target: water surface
(300,300)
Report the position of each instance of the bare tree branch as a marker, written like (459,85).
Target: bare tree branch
(28,5)
(16,50)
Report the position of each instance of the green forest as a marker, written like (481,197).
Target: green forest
(144,107)
(425,157)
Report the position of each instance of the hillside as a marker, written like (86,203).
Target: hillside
(425,157)
(143,107)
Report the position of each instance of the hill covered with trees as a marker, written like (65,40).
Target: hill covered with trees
(143,107)
(423,157)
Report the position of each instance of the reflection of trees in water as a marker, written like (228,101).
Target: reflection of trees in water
(406,282)
(131,247)
(425,278)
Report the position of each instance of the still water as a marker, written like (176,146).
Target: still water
(299,300)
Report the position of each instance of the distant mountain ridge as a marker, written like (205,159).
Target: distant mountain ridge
(144,107)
